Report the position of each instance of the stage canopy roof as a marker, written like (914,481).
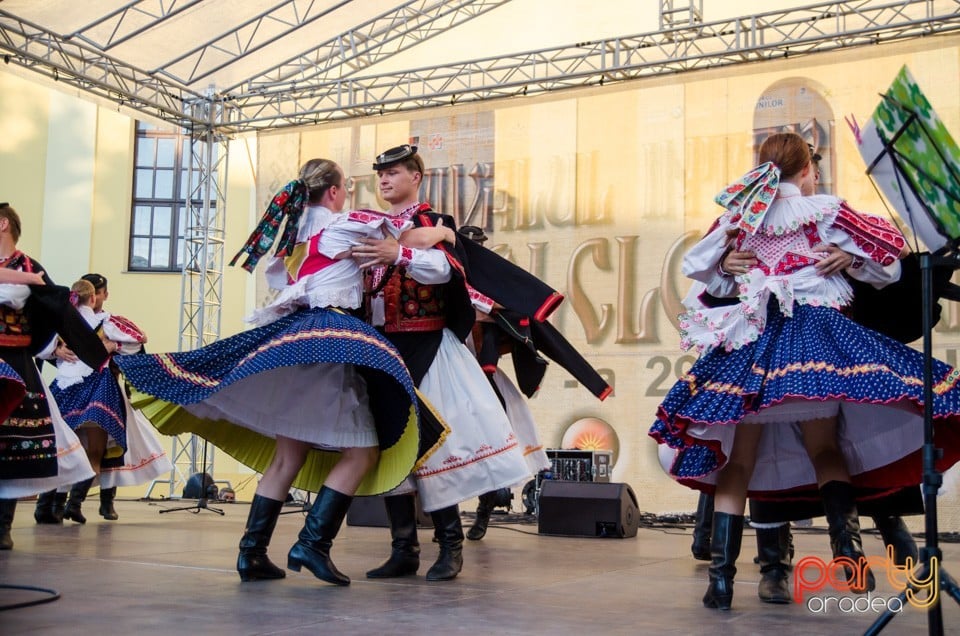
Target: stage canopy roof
(298,62)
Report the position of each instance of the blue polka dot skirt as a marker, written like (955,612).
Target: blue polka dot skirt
(821,360)
(96,400)
(164,383)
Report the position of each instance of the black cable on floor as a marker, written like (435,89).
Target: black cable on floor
(54,595)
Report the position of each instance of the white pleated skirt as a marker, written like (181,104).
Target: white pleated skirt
(145,459)
(72,462)
(481,453)
(324,404)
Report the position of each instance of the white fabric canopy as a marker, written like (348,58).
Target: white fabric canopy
(303,62)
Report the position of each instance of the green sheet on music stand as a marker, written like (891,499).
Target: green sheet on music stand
(914,161)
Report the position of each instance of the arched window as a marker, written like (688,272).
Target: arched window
(797,104)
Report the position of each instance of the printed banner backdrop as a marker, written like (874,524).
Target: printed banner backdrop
(600,193)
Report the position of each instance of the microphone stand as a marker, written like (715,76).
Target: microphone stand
(931,557)
(202,499)
(930,568)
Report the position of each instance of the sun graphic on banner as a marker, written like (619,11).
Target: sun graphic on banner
(592,441)
(591,433)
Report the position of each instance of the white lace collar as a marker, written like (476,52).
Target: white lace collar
(314,219)
(791,210)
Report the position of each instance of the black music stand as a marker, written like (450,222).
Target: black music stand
(202,499)
(945,256)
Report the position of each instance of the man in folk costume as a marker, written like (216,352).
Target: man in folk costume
(500,331)
(38,451)
(419,299)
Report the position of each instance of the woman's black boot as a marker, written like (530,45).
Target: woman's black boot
(78,493)
(252,562)
(44,511)
(312,549)
(7,509)
(405,548)
(724,550)
(479,528)
(896,534)
(449,533)
(107,511)
(59,506)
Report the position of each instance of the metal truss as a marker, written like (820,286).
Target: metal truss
(278,22)
(672,16)
(203,237)
(79,58)
(201,283)
(768,36)
(324,84)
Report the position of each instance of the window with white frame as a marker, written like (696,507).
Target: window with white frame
(159,212)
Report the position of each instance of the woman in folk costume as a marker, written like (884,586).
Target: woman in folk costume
(770,517)
(312,395)
(38,451)
(757,413)
(122,447)
(12,392)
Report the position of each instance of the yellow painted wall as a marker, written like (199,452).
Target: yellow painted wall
(23,130)
(67,167)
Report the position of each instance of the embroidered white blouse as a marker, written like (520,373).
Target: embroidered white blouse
(319,272)
(783,244)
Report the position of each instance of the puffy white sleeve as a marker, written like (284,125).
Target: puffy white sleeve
(429,267)
(348,229)
(47,352)
(869,271)
(702,262)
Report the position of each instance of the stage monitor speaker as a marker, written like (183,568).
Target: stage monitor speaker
(587,509)
(370,511)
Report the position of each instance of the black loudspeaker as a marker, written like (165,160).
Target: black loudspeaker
(194,490)
(587,509)
(370,511)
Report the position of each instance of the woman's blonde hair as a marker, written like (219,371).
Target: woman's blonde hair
(84,291)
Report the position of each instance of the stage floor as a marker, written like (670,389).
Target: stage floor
(151,573)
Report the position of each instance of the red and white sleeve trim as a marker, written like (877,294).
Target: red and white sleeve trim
(405,257)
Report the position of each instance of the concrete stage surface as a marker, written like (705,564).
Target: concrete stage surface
(151,573)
